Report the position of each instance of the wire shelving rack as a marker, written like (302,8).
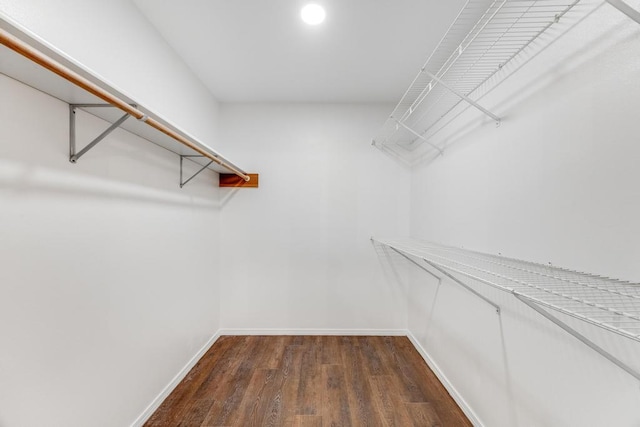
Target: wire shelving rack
(27,58)
(608,303)
(485,36)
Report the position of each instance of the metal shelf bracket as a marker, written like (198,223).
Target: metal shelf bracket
(183,183)
(610,304)
(73,155)
(586,341)
(422,137)
(626,9)
(463,96)
(451,277)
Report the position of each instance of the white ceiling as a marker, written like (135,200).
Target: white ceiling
(260,51)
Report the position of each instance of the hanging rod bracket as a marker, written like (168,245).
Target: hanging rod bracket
(74,155)
(463,96)
(626,9)
(577,335)
(183,183)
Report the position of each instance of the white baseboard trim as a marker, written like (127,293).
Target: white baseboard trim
(473,417)
(155,404)
(351,332)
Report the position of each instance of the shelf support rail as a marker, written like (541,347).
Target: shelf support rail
(463,96)
(183,183)
(446,274)
(586,341)
(75,156)
(626,9)
(457,53)
(390,152)
(20,47)
(536,307)
(422,137)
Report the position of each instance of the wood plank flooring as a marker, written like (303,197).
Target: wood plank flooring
(310,381)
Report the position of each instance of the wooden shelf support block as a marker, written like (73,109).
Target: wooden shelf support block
(232,180)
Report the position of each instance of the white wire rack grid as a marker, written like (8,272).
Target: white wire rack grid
(608,303)
(485,36)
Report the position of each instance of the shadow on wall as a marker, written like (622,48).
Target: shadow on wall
(20,180)
(392,274)
(35,156)
(227,195)
(122,167)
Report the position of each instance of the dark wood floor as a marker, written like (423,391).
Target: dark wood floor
(310,381)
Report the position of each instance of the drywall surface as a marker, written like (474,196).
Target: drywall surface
(296,252)
(115,41)
(558,183)
(108,282)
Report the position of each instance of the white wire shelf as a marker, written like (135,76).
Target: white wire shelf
(23,69)
(608,303)
(486,35)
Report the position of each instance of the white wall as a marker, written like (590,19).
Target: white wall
(108,270)
(557,182)
(296,252)
(109,278)
(108,281)
(116,42)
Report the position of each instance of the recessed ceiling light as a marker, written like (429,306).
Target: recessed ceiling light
(313,14)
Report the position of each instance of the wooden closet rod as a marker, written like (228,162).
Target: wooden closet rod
(40,58)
